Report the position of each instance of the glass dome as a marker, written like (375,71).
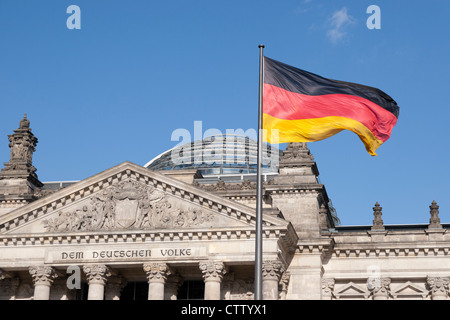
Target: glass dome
(218,155)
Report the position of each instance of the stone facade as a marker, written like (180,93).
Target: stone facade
(166,229)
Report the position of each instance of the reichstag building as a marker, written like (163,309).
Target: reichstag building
(186,230)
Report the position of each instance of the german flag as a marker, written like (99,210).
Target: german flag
(305,107)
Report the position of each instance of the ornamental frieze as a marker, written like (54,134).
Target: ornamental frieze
(128,205)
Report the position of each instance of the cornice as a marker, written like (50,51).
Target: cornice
(391,250)
(144,236)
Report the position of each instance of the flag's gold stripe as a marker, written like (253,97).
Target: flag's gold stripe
(308,130)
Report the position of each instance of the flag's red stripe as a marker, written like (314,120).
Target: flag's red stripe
(283,104)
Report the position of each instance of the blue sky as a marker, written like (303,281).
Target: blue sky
(117,88)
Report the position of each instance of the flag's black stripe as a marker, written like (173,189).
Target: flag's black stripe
(299,81)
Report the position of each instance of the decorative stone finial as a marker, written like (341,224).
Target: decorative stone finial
(297,165)
(24,123)
(22,145)
(377,221)
(296,152)
(18,179)
(435,222)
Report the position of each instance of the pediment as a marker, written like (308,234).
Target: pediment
(351,290)
(129,197)
(409,289)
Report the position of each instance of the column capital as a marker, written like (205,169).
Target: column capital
(96,273)
(157,271)
(42,275)
(439,287)
(213,270)
(380,288)
(272,270)
(328,288)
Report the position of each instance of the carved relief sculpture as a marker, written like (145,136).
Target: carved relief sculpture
(438,287)
(328,289)
(128,205)
(379,288)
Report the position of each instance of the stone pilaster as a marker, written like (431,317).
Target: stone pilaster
(43,277)
(97,276)
(212,272)
(438,287)
(380,288)
(157,274)
(271,274)
(114,287)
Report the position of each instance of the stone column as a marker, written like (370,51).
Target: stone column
(172,286)
(212,272)
(439,287)
(97,275)
(114,287)
(271,273)
(43,277)
(157,274)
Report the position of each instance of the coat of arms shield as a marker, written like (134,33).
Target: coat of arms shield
(126,212)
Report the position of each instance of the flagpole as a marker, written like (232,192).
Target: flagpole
(258,242)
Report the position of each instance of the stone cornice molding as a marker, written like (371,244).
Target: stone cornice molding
(42,275)
(304,189)
(145,236)
(433,249)
(316,246)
